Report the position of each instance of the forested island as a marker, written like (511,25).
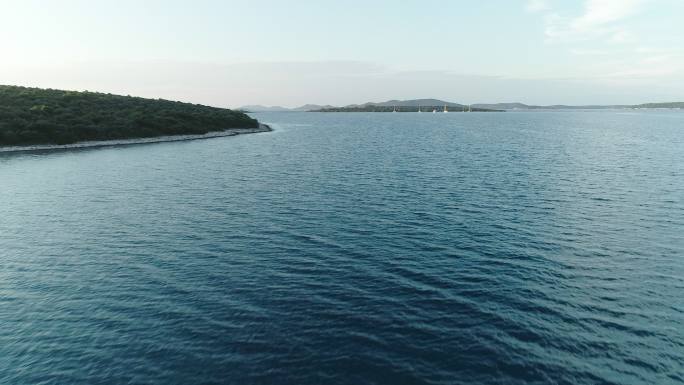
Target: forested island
(34,116)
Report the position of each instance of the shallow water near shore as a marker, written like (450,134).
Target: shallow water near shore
(358,248)
(135,141)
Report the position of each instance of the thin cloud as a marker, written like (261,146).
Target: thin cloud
(602,31)
(600,20)
(537,5)
(599,13)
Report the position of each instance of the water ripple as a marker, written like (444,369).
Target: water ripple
(508,248)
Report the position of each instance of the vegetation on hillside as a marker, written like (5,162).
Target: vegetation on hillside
(40,116)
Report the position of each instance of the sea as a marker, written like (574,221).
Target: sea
(542,247)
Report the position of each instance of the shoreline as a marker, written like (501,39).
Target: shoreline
(123,142)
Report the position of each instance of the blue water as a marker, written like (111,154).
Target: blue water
(502,248)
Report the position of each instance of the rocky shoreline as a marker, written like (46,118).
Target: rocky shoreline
(123,142)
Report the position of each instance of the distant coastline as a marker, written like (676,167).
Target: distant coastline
(428,105)
(126,142)
(430,109)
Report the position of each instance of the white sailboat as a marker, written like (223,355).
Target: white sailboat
(394,109)
(445,109)
(419,111)
(434,111)
(470,108)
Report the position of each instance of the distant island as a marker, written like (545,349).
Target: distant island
(413,105)
(304,108)
(670,105)
(521,106)
(429,105)
(34,116)
(425,105)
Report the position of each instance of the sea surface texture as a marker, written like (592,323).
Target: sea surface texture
(359,248)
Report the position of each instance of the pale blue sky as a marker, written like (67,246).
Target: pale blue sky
(230,53)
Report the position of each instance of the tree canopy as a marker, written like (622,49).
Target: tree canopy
(45,116)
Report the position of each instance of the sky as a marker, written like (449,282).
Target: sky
(233,53)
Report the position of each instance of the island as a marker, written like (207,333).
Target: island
(413,105)
(429,108)
(437,105)
(35,117)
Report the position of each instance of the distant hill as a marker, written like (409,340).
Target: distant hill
(42,116)
(260,108)
(412,105)
(660,105)
(581,107)
(428,105)
(504,106)
(522,106)
(304,108)
(408,103)
(375,108)
(311,107)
